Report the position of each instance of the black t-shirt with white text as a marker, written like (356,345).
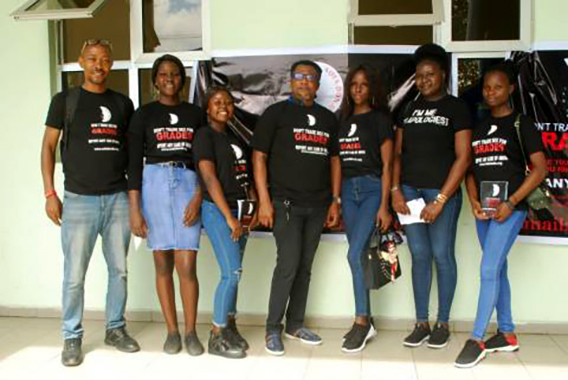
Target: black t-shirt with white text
(160,133)
(94,154)
(497,154)
(299,142)
(360,138)
(428,142)
(230,159)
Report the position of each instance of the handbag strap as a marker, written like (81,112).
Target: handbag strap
(520,139)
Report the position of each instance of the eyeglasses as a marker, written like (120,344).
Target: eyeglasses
(308,77)
(96,41)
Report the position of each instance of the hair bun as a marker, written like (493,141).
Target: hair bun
(432,52)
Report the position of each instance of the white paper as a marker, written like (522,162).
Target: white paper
(415,206)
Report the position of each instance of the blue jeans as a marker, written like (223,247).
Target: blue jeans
(496,240)
(84,218)
(436,242)
(360,202)
(229,256)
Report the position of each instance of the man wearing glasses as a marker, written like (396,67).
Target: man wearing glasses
(295,152)
(92,121)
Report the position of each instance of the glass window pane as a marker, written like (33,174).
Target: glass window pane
(386,35)
(486,20)
(172,25)
(49,5)
(394,7)
(111,23)
(117,80)
(147,91)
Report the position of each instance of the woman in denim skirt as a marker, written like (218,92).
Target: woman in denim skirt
(165,197)
(223,169)
(365,149)
(432,154)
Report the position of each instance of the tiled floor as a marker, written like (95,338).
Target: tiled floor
(30,349)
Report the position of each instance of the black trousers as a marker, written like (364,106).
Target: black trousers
(297,231)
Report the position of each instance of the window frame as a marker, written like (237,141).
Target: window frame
(523,43)
(434,18)
(22,13)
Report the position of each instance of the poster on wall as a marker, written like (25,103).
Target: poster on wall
(543,95)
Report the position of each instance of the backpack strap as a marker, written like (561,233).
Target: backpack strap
(71,101)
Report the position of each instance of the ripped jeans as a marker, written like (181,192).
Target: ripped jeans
(229,256)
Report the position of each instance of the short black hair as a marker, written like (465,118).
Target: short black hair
(434,53)
(168,58)
(306,62)
(506,67)
(212,91)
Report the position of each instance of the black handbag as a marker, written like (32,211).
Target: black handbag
(540,198)
(380,260)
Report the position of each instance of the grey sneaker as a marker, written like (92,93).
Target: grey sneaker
(305,335)
(193,345)
(236,335)
(274,345)
(120,339)
(72,355)
(172,345)
(221,344)
(419,335)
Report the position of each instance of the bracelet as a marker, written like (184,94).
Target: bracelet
(50,193)
(510,205)
(394,188)
(441,198)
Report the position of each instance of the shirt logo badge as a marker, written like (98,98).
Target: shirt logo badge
(106,115)
(352,130)
(492,129)
(311,120)
(238,151)
(173,119)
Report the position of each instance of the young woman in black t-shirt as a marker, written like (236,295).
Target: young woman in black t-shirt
(224,172)
(165,197)
(365,142)
(497,174)
(432,154)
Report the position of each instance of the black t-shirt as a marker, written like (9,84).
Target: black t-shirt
(160,133)
(299,142)
(428,142)
(94,155)
(230,159)
(497,154)
(360,138)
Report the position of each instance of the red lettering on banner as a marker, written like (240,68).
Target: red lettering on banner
(553,141)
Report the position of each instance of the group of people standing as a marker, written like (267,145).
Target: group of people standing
(164,171)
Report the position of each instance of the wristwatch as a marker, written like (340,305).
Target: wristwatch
(337,200)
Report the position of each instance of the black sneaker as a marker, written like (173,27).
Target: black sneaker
(120,339)
(237,337)
(72,355)
(471,354)
(499,342)
(419,335)
(221,344)
(358,338)
(193,345)
(172,345)
(352,330)
(439,337)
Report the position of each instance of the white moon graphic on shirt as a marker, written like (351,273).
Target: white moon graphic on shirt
(106,115)
(492,129)
(173,119)
(238,151)
(352,130)
(251,209)
(496,190)
(311,120)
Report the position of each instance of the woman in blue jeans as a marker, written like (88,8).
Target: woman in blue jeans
(498,176)
(223,170)
(365,141)
(432,154)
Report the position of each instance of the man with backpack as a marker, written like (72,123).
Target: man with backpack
(93,121)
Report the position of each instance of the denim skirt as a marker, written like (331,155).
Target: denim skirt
(166,192)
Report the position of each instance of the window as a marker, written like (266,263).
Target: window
(487,25)
(394,22)
(57,9)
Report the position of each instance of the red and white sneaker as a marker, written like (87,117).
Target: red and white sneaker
(502,343)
